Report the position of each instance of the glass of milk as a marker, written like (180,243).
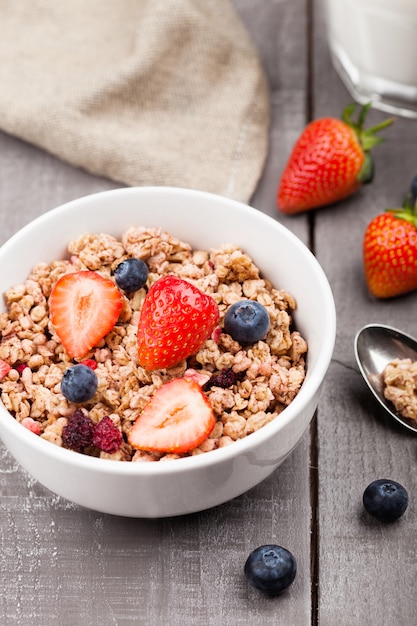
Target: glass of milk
(373,44)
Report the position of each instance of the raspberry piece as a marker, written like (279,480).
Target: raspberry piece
(78,432)
(22,366)
(226,378)
(106,435)
(91,363)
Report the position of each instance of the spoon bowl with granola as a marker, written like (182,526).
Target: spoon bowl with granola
(162,350)
(387,360)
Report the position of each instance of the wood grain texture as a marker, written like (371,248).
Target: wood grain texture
(65,565)
(365,569)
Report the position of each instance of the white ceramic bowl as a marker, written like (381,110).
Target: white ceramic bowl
(199,482)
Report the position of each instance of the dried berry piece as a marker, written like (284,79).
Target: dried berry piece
(107,436)
(32,425)
(91,363)
(78,431)
(225,378)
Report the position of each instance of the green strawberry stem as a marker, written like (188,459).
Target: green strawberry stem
(407,212)
(367,137)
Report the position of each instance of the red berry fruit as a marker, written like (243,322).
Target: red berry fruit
(177,419)
(175,320)
(390,252)
(329,162)
(84,307)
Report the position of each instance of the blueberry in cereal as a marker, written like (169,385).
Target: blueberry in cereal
(131,274)
(49,327)
(247,321)
(79,383)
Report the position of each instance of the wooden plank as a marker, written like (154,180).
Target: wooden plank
(66,565)
(366,568)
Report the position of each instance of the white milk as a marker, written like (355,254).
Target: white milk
(374,47)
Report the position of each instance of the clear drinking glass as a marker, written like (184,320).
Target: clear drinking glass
(373,44)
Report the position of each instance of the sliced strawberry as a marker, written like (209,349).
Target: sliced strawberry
(4,369)
(175,320)
(84,307)
(177,419)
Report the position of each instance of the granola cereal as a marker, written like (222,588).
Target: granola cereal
(400,386)
(247,386)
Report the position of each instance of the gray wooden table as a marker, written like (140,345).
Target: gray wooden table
(61,564)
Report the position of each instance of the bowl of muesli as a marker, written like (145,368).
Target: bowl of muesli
(162,350)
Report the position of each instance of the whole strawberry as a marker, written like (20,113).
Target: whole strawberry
(390,252)
(175,320)
(329,162)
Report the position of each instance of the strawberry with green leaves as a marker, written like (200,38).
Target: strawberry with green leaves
(177,419)
(329,162)
(390,252)
(175,320)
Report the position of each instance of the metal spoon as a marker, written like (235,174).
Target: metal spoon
(375,346)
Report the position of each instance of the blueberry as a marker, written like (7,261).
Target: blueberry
(131,274)
(246,321)
(271,569)
(386,500)
(79,383)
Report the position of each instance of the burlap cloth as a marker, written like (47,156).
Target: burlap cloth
(144,92)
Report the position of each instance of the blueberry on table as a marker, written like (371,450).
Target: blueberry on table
(246,321)
(79,383)
(386,500)
(131,274)
(271,569)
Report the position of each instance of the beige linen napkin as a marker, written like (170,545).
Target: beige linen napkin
(144,92)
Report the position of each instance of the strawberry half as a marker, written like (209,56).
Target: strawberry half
(177,419)
(84,307)
(390,252)
(329,162)
(175,320)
